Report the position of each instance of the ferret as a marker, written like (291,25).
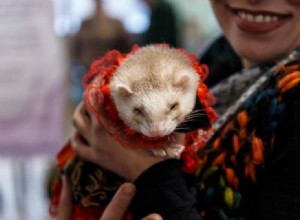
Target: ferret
(154,90)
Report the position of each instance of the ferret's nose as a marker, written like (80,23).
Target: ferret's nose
(157,131)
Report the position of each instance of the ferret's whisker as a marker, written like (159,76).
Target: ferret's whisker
(200,111)
(144,126)
(196,114)
(183,129)
(191,117)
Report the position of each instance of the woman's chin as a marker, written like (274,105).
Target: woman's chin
(254,55)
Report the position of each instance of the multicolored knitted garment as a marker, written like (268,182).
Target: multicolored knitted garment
(230,164)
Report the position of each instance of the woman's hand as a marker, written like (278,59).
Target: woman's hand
(114,211)
(94,143)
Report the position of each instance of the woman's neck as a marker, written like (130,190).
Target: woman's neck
(247,63)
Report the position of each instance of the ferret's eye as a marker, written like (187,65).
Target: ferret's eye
(174,106)
(138,111)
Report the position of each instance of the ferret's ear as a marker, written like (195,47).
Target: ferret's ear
(124,90)
(182,82)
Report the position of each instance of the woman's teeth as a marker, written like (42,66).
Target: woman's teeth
(259,18)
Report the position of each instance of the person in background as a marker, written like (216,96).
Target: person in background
(250,168)
(163,24)
(97,35)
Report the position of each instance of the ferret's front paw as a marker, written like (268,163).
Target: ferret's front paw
(173,151)
(159,152)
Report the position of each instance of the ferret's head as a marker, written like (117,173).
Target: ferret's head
(155,110)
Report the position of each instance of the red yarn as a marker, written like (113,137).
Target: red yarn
(97,94)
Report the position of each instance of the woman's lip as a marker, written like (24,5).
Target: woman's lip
(254,27)
(257,12)
(259,27)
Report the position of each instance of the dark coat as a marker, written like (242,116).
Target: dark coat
(259,187)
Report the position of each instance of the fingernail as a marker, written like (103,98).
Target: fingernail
(128,189)
(153,217)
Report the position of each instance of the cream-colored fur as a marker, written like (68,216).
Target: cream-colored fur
(154,90)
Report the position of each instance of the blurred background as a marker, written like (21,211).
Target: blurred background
(45,49)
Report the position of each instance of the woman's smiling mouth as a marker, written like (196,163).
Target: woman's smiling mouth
(258,21)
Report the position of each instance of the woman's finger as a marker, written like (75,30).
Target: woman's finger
(86,153)
(65,203)
(81,120)
(153,217)
(120,202)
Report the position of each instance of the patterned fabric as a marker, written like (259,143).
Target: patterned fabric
(233,158)
(92,187)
